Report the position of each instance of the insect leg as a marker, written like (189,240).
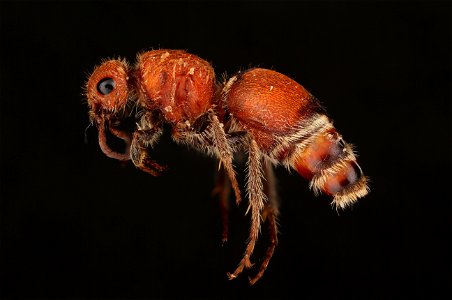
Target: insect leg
(269,216)
(257,199)
(144,137)
(225,153)
(222,190)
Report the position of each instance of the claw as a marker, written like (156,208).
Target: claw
(245,263)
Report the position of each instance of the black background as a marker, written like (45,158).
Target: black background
(76,224)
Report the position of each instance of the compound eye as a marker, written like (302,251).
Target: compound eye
(106,86)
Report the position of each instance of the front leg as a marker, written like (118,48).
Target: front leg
(144,137)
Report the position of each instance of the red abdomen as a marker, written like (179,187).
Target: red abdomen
(268,104)
(291,128)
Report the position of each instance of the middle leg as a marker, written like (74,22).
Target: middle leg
(222,190)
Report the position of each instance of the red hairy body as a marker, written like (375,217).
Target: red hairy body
(261,112)
(181,84)
(267,104)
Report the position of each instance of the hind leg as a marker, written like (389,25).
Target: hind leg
(257,199)
(270,217)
